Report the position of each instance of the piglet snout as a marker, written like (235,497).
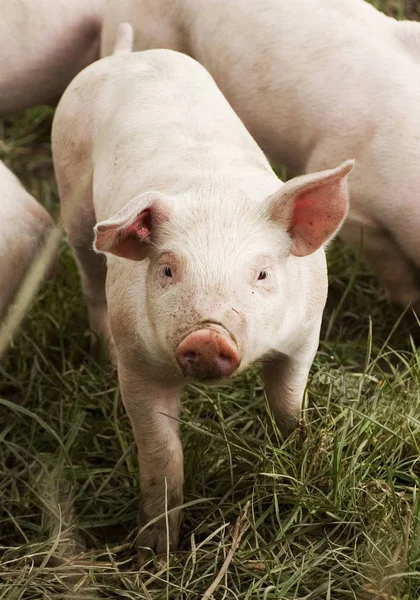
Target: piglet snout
(207,354)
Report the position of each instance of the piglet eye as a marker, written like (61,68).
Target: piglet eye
(167,271)
(262,275)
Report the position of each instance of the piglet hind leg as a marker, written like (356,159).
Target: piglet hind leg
(153,409)
(92,268)
(285,382)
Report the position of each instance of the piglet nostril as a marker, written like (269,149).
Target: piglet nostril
(224,358)
(226,363)
(191,357)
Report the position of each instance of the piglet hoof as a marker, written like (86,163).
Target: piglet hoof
(157,539)
(152,544)
(290,428)
(287,425)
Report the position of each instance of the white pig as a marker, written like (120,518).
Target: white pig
(23,225)
(212,262)
(315,81)
(43,45)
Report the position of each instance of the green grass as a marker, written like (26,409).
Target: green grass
(334,511)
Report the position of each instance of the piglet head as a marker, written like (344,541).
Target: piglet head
(221,266)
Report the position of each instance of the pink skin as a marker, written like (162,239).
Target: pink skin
(207,354)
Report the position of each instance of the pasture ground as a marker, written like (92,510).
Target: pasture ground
(334,511)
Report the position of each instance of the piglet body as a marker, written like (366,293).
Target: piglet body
(211,262)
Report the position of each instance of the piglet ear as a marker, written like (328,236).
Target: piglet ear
(133,229)
(312,207)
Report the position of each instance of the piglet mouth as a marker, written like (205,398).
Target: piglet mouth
(208,352)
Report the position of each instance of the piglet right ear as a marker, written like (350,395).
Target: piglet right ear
(312,207)
(132,230)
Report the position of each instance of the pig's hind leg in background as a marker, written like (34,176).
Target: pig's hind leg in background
(399,274)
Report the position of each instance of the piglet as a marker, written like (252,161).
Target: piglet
(24,224)
(43,45)
(315,81)
(212,263)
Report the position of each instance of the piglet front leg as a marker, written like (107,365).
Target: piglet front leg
(153,408)
(285,382)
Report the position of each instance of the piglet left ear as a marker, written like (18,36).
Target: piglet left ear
(132,230)
(312,207)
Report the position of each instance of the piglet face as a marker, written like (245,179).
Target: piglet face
(215,298)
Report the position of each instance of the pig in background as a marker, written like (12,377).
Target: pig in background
(314,91)
(43,45)
(24,224)
(211,262)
